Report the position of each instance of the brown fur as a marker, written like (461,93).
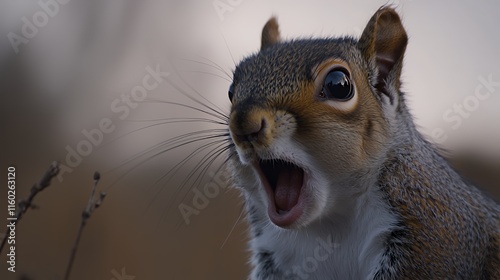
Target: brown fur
(446,229)
(270,33)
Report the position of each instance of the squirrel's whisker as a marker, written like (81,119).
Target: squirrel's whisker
(211,74)
(172,171)
(229,50)
(214,108)
(181,120)
(217,65)
(170,141)
(214,66)
(217,114)
(201,168)
(185,137)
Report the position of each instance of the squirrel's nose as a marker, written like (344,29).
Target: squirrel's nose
(249,127)
(252,131)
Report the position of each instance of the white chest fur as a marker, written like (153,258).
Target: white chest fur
(349,248)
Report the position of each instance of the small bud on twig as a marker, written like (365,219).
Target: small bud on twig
(92,204)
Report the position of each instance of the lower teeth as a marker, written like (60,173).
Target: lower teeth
(282,211)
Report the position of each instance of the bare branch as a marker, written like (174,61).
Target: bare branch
(92,204)
(24,204)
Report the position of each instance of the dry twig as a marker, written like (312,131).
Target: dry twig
(92,204)
(27,203)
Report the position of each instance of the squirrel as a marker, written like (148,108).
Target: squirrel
(337,181)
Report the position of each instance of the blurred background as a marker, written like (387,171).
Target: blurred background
(84,83)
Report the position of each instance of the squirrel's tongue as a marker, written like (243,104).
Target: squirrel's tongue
(288,185)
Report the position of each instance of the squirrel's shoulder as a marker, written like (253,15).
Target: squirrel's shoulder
(441,218)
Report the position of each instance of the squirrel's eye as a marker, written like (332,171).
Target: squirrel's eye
(230,92)
(337,86)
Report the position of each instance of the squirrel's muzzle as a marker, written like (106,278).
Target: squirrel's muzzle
(251,127)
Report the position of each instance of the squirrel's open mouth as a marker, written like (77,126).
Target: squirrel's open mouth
(284,183)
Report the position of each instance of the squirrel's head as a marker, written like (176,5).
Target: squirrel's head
(311,119)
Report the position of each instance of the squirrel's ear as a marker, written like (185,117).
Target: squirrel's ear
(384,42)
(270,34)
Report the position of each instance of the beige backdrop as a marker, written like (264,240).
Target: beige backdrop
(85,55)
